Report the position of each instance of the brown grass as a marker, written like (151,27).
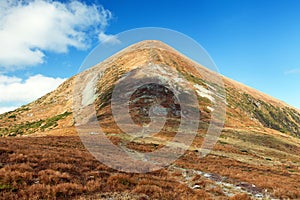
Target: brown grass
(277,180)
(240,197)
(60,168)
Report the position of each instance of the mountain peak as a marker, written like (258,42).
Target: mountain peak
(150,44)
(246,106)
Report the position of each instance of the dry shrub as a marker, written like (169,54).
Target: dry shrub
(177,173)
(93,185)
(97,174)
(6,195)
(5,150)
(216,191)
(185,192)
(240,197)
(15,178)
(292,193)
(151,190)
(160,173)
(22,167)
(52,177)
(102,167)
(67,189)
(145,181)
(63,167)
(37,191)
(162,182)
(142,147)
(18,158)
(120,182)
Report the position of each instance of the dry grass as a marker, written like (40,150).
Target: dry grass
(240,197)
(277,180)
(60,168)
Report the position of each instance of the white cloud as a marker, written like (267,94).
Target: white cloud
(16,91)
(6,80)
(108,39)
(6,109)
(29,28)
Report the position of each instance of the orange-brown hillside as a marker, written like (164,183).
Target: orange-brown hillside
(257,154)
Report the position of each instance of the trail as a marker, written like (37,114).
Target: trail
(229,186)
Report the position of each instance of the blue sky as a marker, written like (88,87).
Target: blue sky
(254,42)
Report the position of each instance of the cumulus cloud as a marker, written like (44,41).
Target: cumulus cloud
(16,91)
(29,28)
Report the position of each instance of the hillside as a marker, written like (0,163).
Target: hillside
(257,154)
(245,105)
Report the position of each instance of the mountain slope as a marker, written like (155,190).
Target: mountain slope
(246,106)
(256,154)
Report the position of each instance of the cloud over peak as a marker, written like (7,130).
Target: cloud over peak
(29,28)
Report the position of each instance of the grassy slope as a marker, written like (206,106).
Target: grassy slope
(259,145)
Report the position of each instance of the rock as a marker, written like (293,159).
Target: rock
(196,187)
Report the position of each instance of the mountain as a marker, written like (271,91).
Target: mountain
(256,154)
(246,107)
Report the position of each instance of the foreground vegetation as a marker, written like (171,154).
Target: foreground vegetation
(60,168)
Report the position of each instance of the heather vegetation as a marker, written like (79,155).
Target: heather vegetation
(60,168)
